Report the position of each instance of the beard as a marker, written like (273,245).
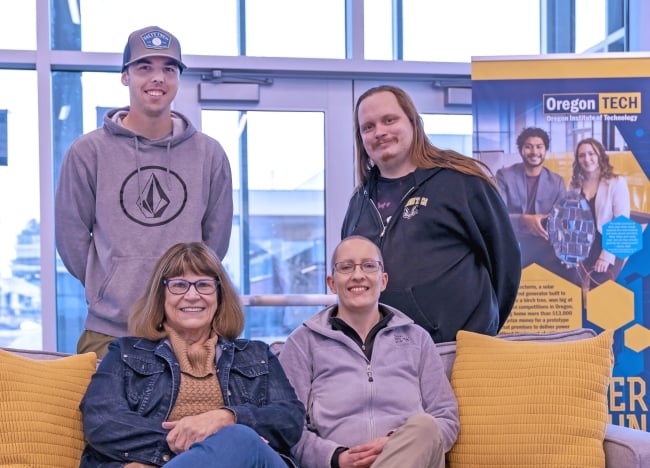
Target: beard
(387,156)
(528,162)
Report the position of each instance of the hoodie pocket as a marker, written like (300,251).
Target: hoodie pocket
(124,284)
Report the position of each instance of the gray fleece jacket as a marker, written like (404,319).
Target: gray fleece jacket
(122,200)
(351,400)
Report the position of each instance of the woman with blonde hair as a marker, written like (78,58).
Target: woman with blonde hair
(184,391)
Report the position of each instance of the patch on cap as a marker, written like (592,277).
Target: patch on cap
(156,40)
(149,42)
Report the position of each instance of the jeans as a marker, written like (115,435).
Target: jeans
(235,446)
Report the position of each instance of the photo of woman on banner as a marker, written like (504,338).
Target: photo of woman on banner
(608,197)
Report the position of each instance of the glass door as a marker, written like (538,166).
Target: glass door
(290,152)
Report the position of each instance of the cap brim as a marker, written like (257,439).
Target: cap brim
(181,65)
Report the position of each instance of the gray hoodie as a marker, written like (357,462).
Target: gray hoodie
(122,200)
(351,400)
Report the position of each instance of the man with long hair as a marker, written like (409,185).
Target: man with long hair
(441,225)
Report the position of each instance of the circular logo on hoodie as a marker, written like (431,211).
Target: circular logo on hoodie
(153,195)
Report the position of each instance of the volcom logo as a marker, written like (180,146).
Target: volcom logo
(153,200)
(157,199)
(413,205)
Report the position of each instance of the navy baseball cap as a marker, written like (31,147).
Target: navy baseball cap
(152,41)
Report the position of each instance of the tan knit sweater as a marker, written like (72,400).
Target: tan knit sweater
(199,390)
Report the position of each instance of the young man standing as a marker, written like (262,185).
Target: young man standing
(144,181)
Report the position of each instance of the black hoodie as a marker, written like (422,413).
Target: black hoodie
(451,255)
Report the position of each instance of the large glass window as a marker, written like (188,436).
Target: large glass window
(20,271)
(278,241)
(295,28)
(268,28)
(456,31)
(451,31)
(203,27)
(282,31)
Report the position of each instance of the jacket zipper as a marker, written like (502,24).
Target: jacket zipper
(384,226)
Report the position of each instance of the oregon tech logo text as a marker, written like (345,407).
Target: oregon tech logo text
(153,196)
(592,103)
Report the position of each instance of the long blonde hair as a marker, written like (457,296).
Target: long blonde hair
(423,153)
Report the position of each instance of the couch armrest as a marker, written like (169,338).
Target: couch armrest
(626,448)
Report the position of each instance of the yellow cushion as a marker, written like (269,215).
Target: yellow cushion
(40,421)
(531,404)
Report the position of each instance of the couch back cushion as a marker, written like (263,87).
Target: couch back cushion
(448,350)
(531,403)
(40,421)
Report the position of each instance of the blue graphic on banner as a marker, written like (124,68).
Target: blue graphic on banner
(622,237)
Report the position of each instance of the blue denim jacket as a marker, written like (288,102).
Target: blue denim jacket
(137,383)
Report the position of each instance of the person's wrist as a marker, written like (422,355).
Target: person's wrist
(234,415)
(334,463)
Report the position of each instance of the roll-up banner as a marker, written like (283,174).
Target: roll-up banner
(567,139)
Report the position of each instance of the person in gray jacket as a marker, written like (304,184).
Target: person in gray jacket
(530,191)
(372,381)
(145,180)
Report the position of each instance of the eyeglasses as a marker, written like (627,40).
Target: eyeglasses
(181,286)
(368,266)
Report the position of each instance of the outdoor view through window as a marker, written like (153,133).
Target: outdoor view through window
(20,170)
